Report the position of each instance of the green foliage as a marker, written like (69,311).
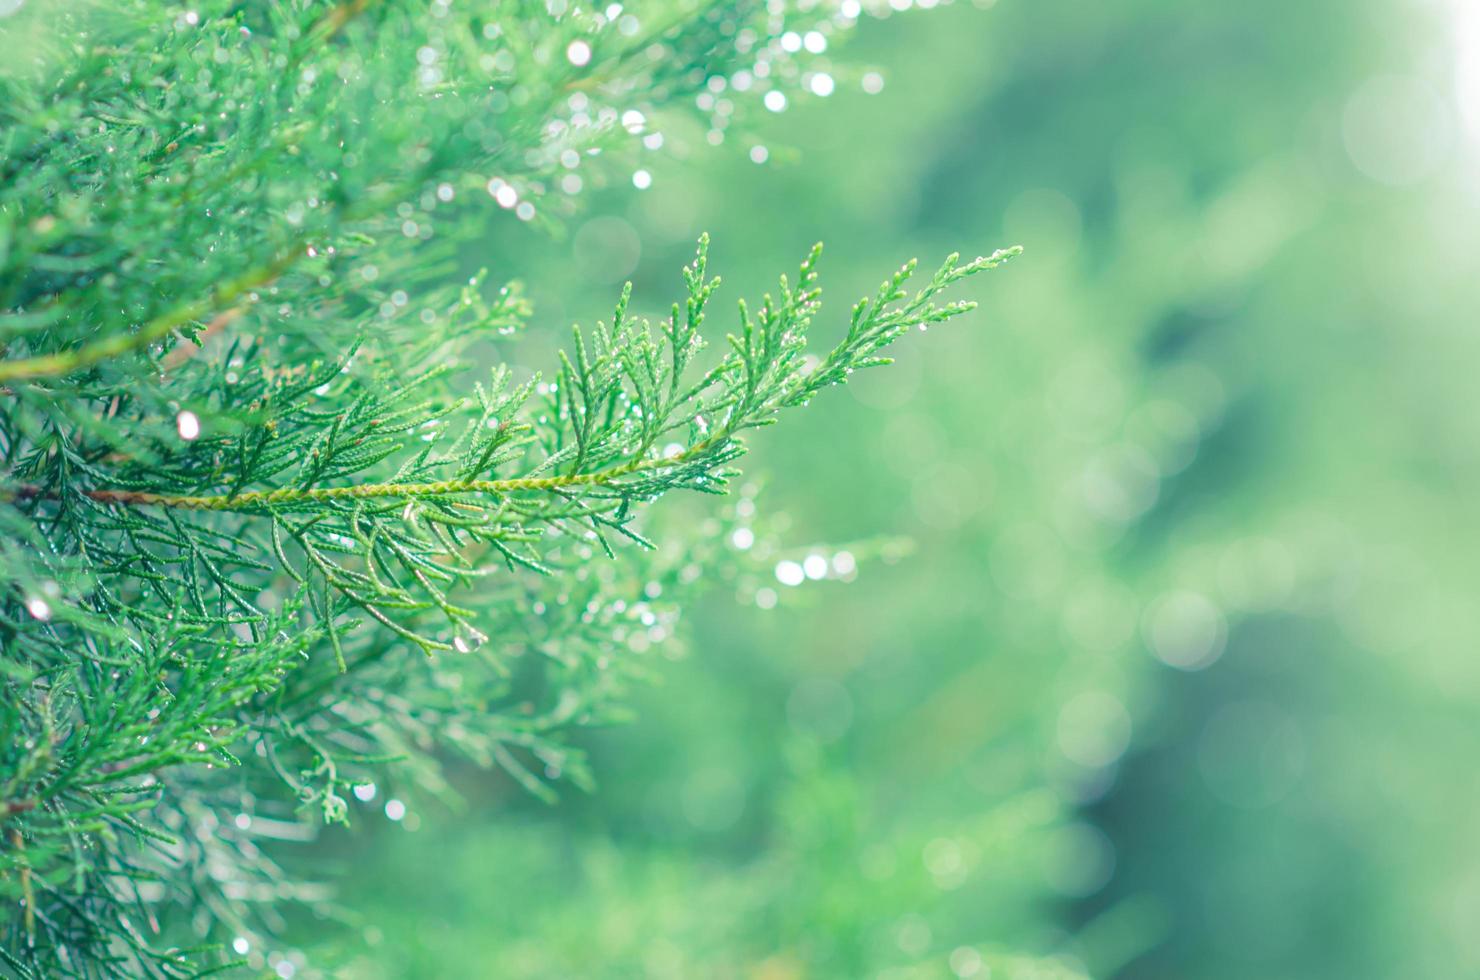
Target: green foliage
(1215,377)
(263,531)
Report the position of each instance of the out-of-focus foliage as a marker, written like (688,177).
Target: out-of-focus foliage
(1180,679)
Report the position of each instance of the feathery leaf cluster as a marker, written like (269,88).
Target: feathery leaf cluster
(265,535)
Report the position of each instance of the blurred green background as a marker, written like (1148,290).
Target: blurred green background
(1179,678)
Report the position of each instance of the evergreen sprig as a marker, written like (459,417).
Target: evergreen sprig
(261,535)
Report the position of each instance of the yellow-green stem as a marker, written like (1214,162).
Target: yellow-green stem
(65,362)
(260,499)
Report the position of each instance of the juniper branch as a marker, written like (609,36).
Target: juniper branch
(113,345)
(233,502)
(264,500)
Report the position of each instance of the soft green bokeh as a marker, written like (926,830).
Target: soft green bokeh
(1179,678)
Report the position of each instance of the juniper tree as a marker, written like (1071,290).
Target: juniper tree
(270,520)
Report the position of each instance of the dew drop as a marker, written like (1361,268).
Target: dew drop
(578,53)
(789,573)
(188,425)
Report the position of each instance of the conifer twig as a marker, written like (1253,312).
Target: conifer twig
(256,499)
(113,345)
(225,565)
(28,893)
